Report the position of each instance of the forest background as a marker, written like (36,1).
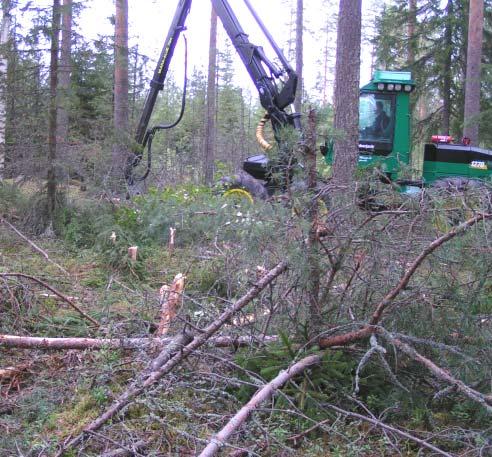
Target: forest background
(377,323)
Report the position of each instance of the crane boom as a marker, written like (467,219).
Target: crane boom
(276,85)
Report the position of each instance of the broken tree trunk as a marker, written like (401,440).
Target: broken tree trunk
(170,298)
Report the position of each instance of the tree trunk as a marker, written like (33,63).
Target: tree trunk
(412,19)
(4,39)
(120,148)
(36,342)
(64,73)
(299,55)
(447,71)
(473,61)
(346,96)
(51,184)
(210,125)
(314,270)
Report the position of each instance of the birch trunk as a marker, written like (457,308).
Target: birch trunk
(4,39)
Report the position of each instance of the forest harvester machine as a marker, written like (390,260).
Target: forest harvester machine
(385,140)
(384,113)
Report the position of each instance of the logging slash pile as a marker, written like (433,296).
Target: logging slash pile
(181,324)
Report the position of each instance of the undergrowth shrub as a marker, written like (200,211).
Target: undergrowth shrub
(13,202)
(80,225)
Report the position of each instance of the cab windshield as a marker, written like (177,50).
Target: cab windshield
(377,120)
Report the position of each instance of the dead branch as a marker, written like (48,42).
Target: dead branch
(33,342)
(33,245)
(443,375)
(12,377)
(378,313)
(136,447)
(180,354)
(365,331)
(170,298)
(258,398)
(53,290)
(380,424)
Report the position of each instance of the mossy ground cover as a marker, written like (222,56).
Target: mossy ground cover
(219,247)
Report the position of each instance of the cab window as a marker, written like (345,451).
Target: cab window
(377,120)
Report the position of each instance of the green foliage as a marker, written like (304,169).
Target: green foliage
(92,89)
(439,46)
(322,383)
(80,224)
(12,200)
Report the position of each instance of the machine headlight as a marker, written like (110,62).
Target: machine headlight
(390,86)
(398,87)
(408,88)
(380,86)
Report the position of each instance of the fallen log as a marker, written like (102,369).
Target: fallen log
(34,342)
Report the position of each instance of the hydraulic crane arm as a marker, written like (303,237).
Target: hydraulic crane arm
(276,86)
(272,98)
(160,73)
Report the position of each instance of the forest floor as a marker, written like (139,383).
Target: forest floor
(50,396)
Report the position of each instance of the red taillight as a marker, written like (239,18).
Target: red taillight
(442,139)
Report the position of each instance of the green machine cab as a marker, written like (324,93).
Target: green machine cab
(384,122)
(385,133)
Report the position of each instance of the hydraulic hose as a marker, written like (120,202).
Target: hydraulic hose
(264,144)
(149,136)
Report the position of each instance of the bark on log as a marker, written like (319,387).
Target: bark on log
(258,398)
(33,342)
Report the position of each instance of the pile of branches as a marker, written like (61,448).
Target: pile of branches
(350,284)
